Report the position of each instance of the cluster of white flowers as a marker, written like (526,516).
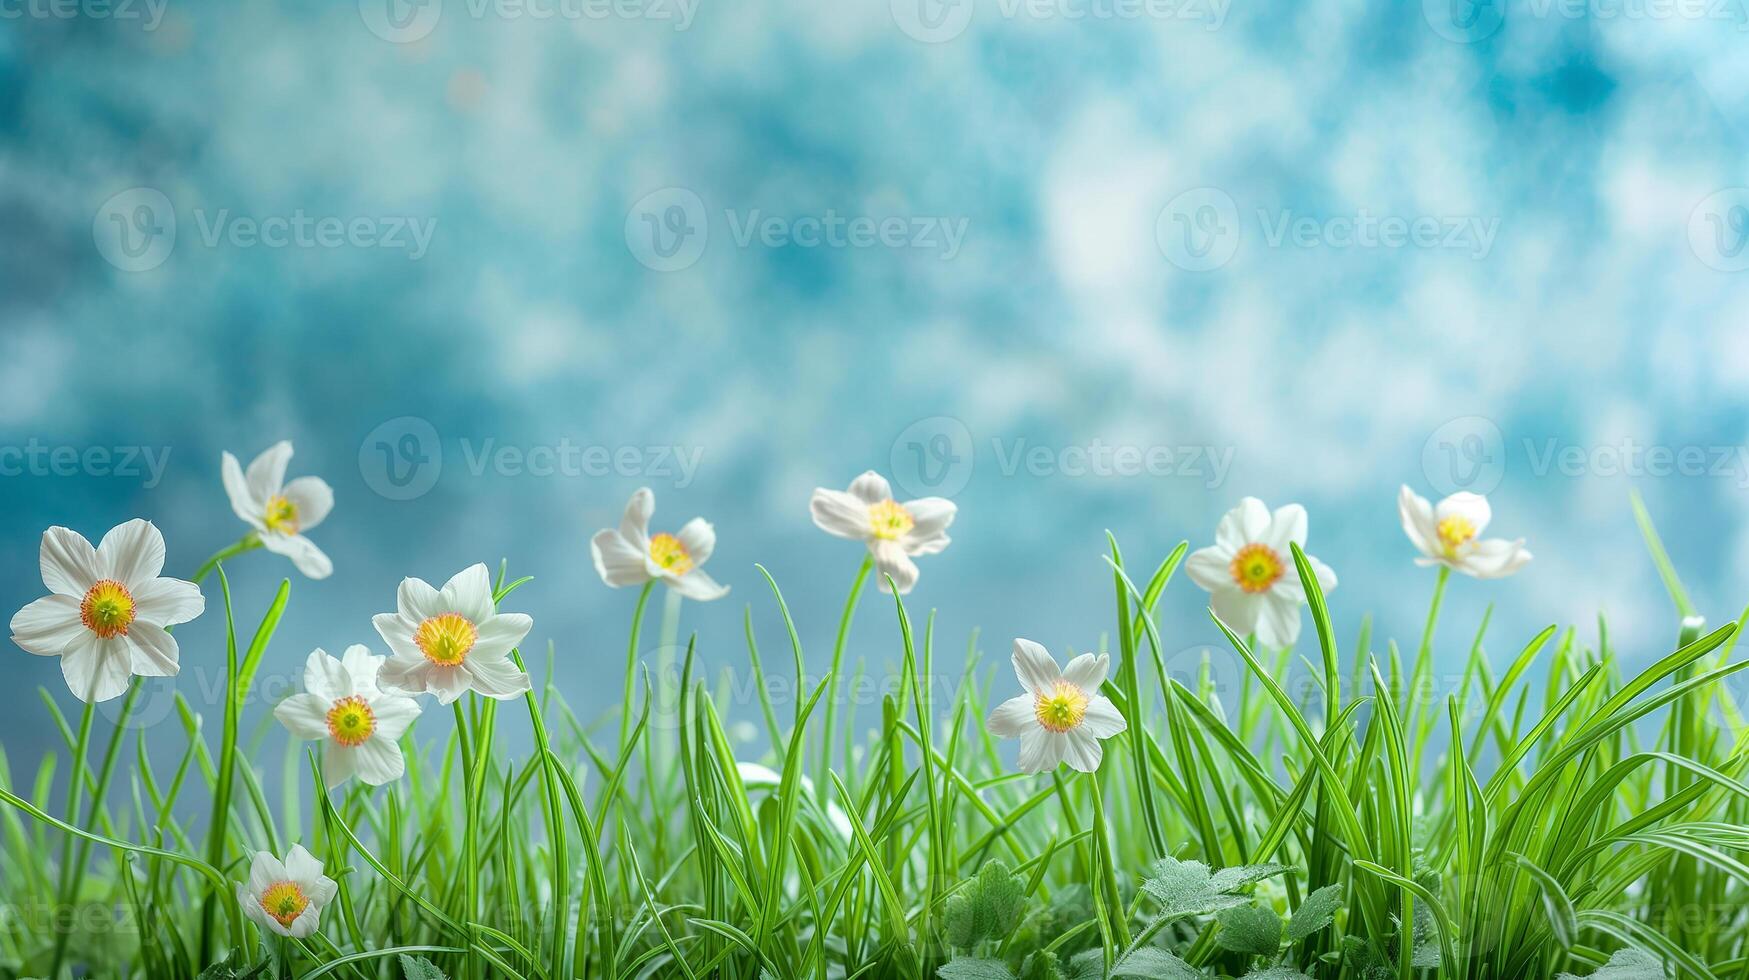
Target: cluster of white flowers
(109,610)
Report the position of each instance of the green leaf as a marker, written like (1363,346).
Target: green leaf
(971,968)
(1249,929)
(1235,878)
(420,968)
(1089,964)
(1626,964)
(1041,965)
(1277,973)
(1317,911)
(1154,963)
(226,970)
(989,907)
(1188,887)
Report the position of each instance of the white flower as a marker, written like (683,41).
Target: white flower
(279,511)
(894,532)
(1250,571)
(452,641)
(107,615)
(1447,535)
(358,724)
(631,555)
(286,897)
(1062,716)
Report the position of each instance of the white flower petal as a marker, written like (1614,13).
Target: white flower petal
(1278,622)
(417,600)
(404,675)
(699,539)
(266,475)
(498,634)
(1041,750)
(362,667)
(265,871)
(304,925)
(304,715)
(634,524)
(308,559)
(1081,750)
(1417,517)
(1211,568)
(97,669)
(617,561)
(840,514)
(1237,608)
(1495,558)
(69,563)
(498,679)
(395,714)
(243,503)
(890,559)
(1286,526)
(396,632)
(153,651)
(46,626)
(1088,671)
(930,518)
(469,592)
(1035,667)
(326,677)
(313,498)
(1472,507)
(304,868)
(698,586)
(1242,525)
(1102,719)
(338,763)
(871,488)
(1014,717)
(168,601)
(378,761)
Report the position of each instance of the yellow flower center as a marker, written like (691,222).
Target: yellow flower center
(445,639)
(107,609)
(889,520)
(1062,709)
(284,901)
(1256,567)
(282,515)
(667,551)
(351,721)
(1455,532)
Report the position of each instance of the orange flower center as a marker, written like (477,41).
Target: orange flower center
(445,639)
(107,609)
(284,901)
(351,721)
(1256,567)
(1455,532)
(667,552)
(1062,709)
(889,520)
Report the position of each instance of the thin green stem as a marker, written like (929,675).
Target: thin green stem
(850,603)
(249,542)
(66,893)
(625,710)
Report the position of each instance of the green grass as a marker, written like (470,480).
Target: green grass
(1540,816)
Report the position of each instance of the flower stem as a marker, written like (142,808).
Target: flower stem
(1114,907)
(249,542)
(67,890)
(850,603)
(625,711)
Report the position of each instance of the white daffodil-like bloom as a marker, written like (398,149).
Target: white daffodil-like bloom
(1448,534)
(286,897)
(106,616)
(281,512)
(358,724)
(894,532)
(1062,716)
(451,641)
(1250,574)
(631,555)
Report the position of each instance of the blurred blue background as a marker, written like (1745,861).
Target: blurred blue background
(1306,254)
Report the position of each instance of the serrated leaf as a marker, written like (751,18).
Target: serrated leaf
(1317,911)
(1626,964)
(1186,888)
(1277,973)
(226,970)
(971,968)
(1041,965)
(1089,964)
(1249,929)
(420,968)
(1154,963)
(1234,878)
(988,907)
